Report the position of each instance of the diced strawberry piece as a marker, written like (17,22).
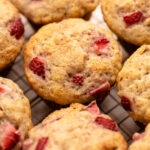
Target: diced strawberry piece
(101,92)
(41,143)
(126,103)
(9,138)
(77,79)
(133,18)
(137,136)
(93,108)
(26,145)
(56,119)
(2,90)
(16,28)
(51,121)
(100,46)
(37,66)
(106,123)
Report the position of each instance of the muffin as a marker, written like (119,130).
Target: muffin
(141,141)
(129,19)
(72,61)
(134,84)
(11,33)
(46,11)
(15,115)
(77,127)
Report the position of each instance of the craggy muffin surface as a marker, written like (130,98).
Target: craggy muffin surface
(134,84)
(129,19)
(46,11)
(141,141)
(72,61)
(11,33)
(15,115)
(76,127)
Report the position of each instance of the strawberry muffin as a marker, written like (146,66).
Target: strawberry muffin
(11,33)
(46,11)
(134,84)
(129,19)
(15,116)
(78,127)
(141,141)
(72,61)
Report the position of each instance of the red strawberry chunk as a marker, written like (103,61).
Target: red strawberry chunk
(41,143)
(10,137)
(93,108)
(101,92)
(133,18)
(126,103)
(106,123)
(100,46)
(138,136)
(51,121)
(2,90)
(77,79)
(17,28)
(37,66)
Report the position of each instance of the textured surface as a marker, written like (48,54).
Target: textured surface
(10,41)
(129,19)
(45,11)
(141,141)
(41,108)
(71,62)
(84,127)
(134,84)
(14,110)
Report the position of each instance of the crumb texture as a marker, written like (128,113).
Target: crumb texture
(11,33)
(129,19)
(77,125)
(15,115)
(46,11)
(72,61)
(141,141)
(134,84)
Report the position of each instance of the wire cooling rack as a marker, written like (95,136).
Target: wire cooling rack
(41,108)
